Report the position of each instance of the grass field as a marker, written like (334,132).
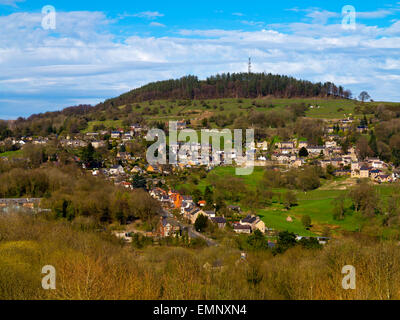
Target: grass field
(316,203)
(109,124)
(164,110)
(11,154)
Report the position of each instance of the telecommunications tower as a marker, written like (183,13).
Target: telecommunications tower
(249,69)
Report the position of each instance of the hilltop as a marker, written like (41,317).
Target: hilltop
(270,101)
(187,97)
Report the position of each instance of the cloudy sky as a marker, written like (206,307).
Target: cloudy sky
(104,48)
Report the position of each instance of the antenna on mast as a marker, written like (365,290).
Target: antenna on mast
(249,70)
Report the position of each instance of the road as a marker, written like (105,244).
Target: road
(190,229)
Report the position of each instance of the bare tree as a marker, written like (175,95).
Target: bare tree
(364,96)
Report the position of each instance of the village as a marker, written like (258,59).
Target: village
(130,170)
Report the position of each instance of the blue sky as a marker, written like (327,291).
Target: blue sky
(104,48)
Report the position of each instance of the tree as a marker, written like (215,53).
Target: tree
(257,240)
(306,221)
(365,199)
(89,156)
(339,208)
(373,144)
(310,243)
(196,196)
(289,200)
(285,241)
(364,96)
(303,152)
(363,147)
(201,223)
(209,197)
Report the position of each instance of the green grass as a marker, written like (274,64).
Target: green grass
(169,110)
(251,181)
(110,124)
(11,154)
(316,203)
(275,218)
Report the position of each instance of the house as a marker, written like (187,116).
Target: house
(315,149)
(98,144)
(193,215)
(240,228)
(127,137)
(296,163)
(373,173)
(186,207)
(364,172)
(116,169)
(342,173)
(136,128)
(210,214)
(126,185)
(157,193)
(383,178)
(355,166)
(355,173)
(254,222)
(115,135)
(123,235)
(168,227)
(336,162)
(202,203)
(180,125)
(286,150)
(92,134)
(281,158)
(188,199)
(262,145)
(376,163)
(286,144)
(362,129)
(330,144)
(303,144)
(234,208)
(136,169)
(20,202)
(324,163)
(152,169)
(220,221)
(123,156)
(165,199)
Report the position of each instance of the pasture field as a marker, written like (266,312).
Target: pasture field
(318,203)
(164,110)
(11,154)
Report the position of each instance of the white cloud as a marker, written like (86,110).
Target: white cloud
(82,61)
(253,23)
(376,14)
(157,24)
(12,3)
(149,14)
(321,17)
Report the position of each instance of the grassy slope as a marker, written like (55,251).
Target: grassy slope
(316,203)
(11,154)
(168,110)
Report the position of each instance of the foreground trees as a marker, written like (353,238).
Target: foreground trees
(91,265)
(71,193)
